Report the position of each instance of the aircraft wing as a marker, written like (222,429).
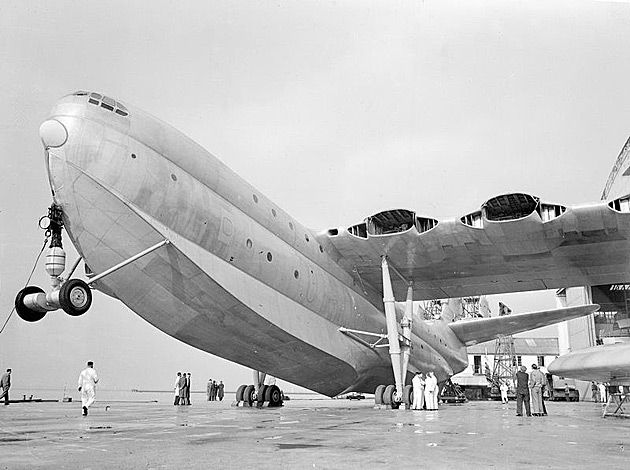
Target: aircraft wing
(484,329)
(514,243)
(610,363)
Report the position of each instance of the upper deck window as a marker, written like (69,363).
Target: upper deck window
(105,102)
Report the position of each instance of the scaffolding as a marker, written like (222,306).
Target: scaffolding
(505,365)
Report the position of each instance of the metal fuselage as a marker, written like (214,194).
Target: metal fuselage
(240,279)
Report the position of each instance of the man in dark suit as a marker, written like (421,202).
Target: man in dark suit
(188,388)
(182,389)
(522,392)
(5,385)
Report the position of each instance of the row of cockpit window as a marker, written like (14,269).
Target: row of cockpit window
(104,102)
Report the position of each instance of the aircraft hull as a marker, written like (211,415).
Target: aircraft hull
(232,283)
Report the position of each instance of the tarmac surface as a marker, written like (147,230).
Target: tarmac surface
(308,434)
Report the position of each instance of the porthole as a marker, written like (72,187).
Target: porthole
(248,243)
(255,198)
(296,274)
(273,211)
(306,237)
(133,155)
(173,177)
(269,257)
(290,225)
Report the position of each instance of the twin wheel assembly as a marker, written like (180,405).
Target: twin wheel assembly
(270,394)
(386,395)
(72,295)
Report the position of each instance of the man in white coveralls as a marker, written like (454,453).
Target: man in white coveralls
(87,386)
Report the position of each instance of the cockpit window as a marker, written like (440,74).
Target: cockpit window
(108,103)
(104,102)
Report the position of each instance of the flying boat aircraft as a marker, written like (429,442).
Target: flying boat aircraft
(169,230)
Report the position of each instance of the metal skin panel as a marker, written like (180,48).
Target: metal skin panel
(609,364)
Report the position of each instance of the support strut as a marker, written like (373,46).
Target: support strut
(392,328)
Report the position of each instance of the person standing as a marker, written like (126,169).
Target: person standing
(221,391)
(522,392)
(504,390)
(536,382)
(5,384)
(209,390)
(602,393)
(431,391)
(188,388)
(87,386)
(215,390)
(179,375)
(182,389)
(418,391)
(595,392)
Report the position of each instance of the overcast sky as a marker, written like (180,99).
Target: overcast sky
(335,110)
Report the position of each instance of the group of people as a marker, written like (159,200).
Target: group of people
(530,385)
(598,392)
(215,390)
(182,389)
(425,392)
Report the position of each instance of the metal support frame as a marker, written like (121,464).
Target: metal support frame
(617,400)
(128,261)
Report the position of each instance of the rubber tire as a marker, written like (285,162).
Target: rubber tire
(378,395)
(22,310)
(408,396)
(388,394)
(262,392)
(247,395)
(273,396)
(239,392)
(67,289)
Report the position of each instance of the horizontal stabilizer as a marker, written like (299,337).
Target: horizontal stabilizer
(485,329)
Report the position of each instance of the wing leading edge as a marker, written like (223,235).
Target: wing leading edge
(476,331)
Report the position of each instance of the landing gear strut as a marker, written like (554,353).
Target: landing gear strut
(73,296)
(397,395)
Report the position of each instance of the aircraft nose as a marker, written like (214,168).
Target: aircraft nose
(53,133)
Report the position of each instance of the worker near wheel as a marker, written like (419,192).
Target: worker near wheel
(431,390)
(87,386)
(418,391)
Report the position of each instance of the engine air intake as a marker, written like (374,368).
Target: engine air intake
(424,224)
(549,212)
(473,220)
(393,221)
(510,207)
(620,205)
